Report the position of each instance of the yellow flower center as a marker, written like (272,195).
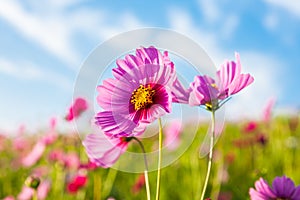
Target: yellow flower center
(142,97)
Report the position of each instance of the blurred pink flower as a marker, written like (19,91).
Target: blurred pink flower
(206,91)
(267,111)
(77,182)
(72,160)
(51,135)
(56,155)
(79,106)
(140,93)
(139,184)
(42,191)
(172,133)
(250,127)
(104,151)
(34,155)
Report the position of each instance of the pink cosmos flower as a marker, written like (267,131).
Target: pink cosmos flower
(34,155)
(104,151)
(250,127)
(42,191)
(51,135)
(71,160)
(138,185)
(267,111)
(79,106)
(172,133)
(140,92)
(206,91)
(282,188)
(79,181)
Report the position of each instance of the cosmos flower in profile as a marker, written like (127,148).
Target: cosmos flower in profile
(79,106)
(210,93)
(139,93)
(282,188)
(104,151)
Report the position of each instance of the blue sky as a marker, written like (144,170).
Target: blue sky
(42,46)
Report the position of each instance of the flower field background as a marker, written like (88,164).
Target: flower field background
(246,151)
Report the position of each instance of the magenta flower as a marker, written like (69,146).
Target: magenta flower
(104,151)
(206,91)
(79,106)
(79,181)
(72,160)
(140,93)
(282,188)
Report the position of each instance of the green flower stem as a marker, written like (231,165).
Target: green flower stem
(109,181)
(97,185)
(159,159)
(210,155)
(146,168)
(34,196)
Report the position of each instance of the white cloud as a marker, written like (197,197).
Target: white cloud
(271,21)
(210,10)
(229,26)
(50,32)
(292,6)
(30,72)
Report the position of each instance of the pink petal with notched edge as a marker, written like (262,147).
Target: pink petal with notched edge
(115,125)
(255,195)
(104,151)
(240,83)
(179,93)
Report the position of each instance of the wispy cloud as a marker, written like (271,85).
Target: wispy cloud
(291,6)
(29,72)
(49,32)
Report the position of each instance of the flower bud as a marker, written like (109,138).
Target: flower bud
(32,182)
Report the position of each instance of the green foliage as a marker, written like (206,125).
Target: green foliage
(240,158)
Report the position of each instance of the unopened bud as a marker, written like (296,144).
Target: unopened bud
(32,182)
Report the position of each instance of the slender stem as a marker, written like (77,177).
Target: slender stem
(146,168)
(110,179)
(34,196)
(97,185)
(210,155)
(159,159)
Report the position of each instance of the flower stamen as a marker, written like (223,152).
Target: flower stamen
(142,97)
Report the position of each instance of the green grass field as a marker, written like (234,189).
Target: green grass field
(240,158)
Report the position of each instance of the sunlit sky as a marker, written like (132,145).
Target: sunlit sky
(43,44)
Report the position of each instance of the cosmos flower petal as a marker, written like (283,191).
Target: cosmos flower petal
(203,91)
(255,195)
(296,194)
(262,186)
(283,186)
(240,83)
(116,125)
(102,150)
(179,93)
